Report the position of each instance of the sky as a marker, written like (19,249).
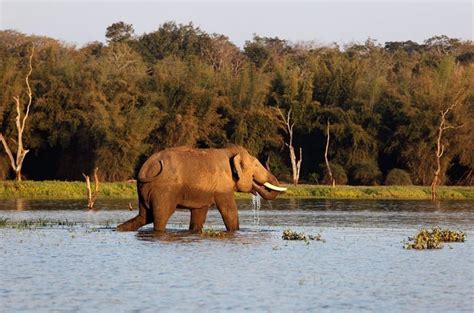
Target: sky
(319,21)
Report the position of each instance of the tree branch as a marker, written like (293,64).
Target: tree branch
(30,94)
(8,151)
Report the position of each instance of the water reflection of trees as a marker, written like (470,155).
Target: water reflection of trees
(21,205)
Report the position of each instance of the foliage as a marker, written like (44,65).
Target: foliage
(338,173)
(398,177)
(365,174)
(433,239)
(119,32)
(111,105)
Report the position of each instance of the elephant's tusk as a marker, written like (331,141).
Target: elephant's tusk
(273,187)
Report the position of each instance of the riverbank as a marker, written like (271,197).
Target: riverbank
(124,190)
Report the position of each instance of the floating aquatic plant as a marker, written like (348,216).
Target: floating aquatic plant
(289,234)
(433,239)
(3,221)
(36,223)
(210,232)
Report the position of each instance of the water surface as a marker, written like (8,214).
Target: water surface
(361,266)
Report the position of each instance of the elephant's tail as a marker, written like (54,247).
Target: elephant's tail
(151,173)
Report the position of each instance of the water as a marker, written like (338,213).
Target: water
(256,205)
(361,266)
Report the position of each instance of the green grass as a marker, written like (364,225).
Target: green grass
(123,190)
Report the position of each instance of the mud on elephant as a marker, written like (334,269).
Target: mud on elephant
(197,179)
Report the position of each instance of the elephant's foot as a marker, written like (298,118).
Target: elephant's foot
(132,225)
(233,227)
(195,228)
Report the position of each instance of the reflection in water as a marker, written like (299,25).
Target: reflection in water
(277,213)
(244,236)
(21,204)
(170,236)
(292,204)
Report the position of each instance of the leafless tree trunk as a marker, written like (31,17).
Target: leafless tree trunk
(333,181)
(440,149)
(267,163)
(92,196)
(295,163)
(17,162)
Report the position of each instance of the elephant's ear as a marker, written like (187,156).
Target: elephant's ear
(236,165)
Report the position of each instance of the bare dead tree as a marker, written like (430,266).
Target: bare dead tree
(443,125)
(20,122)
(295,163)
(267,163)
(333,181)
(92,196)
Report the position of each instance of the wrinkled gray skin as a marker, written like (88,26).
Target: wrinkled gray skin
(197,179)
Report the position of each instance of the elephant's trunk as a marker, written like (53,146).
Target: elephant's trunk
(264,192)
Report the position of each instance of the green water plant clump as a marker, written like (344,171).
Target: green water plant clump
(289,234)
(35,223)
(212,233)
(434,239)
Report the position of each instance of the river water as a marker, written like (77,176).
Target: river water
(86,266)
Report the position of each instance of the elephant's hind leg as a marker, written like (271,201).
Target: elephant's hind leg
(144,217)
(161,214)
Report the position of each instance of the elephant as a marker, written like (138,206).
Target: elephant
(197,179)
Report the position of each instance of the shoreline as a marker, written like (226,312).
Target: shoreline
(123,190)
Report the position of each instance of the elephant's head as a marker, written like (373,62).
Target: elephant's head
(251,176)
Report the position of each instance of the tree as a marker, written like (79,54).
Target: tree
(443,126)
(119,32)
(173,40)
(20,123)
(128,115)
(333,181)
(288,125)
(111,105)
(420,97)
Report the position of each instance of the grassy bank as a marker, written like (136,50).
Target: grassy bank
(379,192)
(123,190)
(63,190)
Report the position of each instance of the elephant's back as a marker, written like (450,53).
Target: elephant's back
(174,164)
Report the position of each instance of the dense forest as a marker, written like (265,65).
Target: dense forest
(111,105)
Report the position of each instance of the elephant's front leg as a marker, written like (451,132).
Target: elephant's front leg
(228,209)
(198,218)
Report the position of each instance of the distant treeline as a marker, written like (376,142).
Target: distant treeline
(112,105)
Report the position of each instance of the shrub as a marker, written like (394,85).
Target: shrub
(398,177)
(279,169)
(313,178)
(365,174)
(338,172)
